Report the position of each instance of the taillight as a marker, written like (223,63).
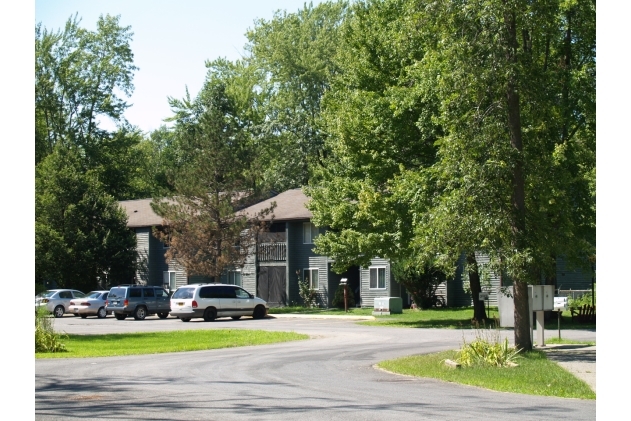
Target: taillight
(71,303)
(194,304)
(126,303)
(107,303)
(85,304)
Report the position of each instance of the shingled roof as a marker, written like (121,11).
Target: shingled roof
(290,205)
(140,214)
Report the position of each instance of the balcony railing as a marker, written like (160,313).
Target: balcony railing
(272,252)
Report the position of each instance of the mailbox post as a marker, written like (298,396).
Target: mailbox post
(560,305)
(541,298)
(344,281)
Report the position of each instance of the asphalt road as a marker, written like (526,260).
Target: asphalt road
(329,377)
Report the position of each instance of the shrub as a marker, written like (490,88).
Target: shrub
(420,281)
(309,296)
(338,299)
(46,339)
(487,350)
(582,300)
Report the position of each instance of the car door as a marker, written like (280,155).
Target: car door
(64,299)
(244,302)
(149,297)
(163,303)
(227,301)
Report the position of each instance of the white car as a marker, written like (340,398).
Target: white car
(92,305)
(57,301)
(209,301)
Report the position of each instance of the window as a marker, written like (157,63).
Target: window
(378,278)
(168,278)
(234,277)
(241,293)
(135,292)
(311,276)
(149,292)
(309,232)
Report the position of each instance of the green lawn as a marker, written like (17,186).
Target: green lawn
(446,318)
(81,346)
(535,375)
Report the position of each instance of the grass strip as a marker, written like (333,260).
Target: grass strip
(118,344)
(535,375)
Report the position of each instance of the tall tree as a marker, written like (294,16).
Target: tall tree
(463,126)
(203,227)
(516,80)
(81,235)
(379,124)
(293,55)
(82,169)
(78,77)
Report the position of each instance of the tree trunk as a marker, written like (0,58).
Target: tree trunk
(479,314)
(522,323)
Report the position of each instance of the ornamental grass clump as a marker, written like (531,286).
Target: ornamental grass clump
(46,339)
(487,350)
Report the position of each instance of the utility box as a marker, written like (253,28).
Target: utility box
(384,306)
(506,306)
(541,297)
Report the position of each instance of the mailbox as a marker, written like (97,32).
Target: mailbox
(560,304)
(483,296)
(541,297)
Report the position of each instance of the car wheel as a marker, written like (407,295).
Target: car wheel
(236,317)
(163,315)
(83,316)
(140,313)
(210,314)
(120,316)
(185,319)
(59,311)
(101,313)
(259,312)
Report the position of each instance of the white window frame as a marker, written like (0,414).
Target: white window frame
(377,269)
(230,278)
(309,232)
(169,277)
(307,273)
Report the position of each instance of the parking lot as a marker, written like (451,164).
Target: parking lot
(329,376)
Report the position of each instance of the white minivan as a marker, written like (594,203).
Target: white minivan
(209,301)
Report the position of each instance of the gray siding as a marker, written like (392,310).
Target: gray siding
(320,262)
(494,278)
(142,248)
(298,255)
(568,277)
(248,273)
(368,295)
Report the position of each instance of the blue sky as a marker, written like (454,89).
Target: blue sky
(172,40)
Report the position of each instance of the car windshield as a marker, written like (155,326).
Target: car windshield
(45,294)
(94,294)
(184,293)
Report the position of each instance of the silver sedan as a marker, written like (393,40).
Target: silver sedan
(92,305)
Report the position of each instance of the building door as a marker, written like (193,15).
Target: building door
(272,285)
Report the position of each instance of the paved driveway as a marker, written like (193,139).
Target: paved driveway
(328,377)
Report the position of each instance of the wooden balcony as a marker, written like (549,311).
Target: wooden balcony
(272,252)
